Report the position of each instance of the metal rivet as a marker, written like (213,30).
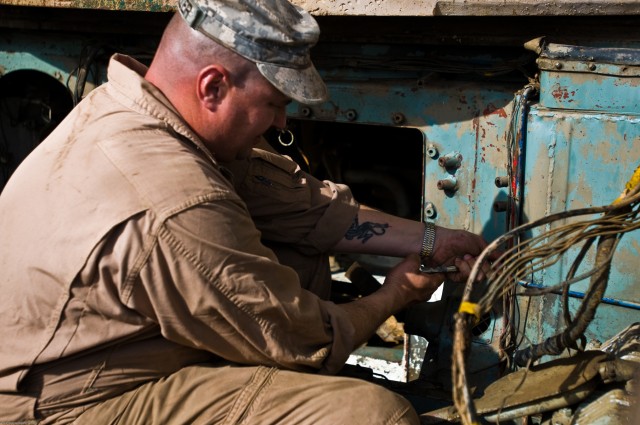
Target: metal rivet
(305,111)
(592,67)
(397,117)
(432,151)
(430,210)
(558,65)
(351,114)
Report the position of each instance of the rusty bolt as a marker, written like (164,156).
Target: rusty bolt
(449,184)
(502,181)
(450,160)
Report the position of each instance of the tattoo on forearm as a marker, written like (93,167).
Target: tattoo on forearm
(366,230)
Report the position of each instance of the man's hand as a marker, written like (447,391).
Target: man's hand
(464,266)
(451,244)
(411,284)
(403,286)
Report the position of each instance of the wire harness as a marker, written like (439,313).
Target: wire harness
(521,260)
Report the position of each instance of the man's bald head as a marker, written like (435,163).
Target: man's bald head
(183,52)
(222,96)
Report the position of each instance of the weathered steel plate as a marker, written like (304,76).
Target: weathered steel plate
(571,379)
(389,7)
(541,382)
(138,5)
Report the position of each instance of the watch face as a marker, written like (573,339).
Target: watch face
(32,104)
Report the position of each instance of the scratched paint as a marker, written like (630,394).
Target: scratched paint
(401,365)
(133,5)
(468,118)
(574,160)
(582,91)
(369,7)
(386,7)
(590,78)
(467,7)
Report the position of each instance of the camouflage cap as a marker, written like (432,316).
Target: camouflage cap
(274,34)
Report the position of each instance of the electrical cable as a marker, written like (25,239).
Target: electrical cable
(535,254)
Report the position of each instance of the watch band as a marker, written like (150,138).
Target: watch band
(428,240)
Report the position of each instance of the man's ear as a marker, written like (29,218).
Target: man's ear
(213,86)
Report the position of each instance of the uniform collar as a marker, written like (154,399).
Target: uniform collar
(126,77)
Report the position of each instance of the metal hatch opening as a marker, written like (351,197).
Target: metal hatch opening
(384,167)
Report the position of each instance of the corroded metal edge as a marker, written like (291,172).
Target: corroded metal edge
(124,5)
(536,8)
(387,7)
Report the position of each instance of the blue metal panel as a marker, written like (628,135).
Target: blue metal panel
(57,58)
(590,78)
(575,160)
(466,118)
(602,92)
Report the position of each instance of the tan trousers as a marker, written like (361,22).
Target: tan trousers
(203,394)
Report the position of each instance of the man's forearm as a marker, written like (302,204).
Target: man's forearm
(375,232)
(368,313)
(403,286)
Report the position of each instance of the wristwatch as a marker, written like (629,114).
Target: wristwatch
(428,240)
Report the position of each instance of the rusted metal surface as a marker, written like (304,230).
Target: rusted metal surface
(581,144)
(535,8)
(137,5)
(386,7)
(397,364)
(531,386)
(369,7)
(590,78)
(469,7)
(613,407)
(575,160)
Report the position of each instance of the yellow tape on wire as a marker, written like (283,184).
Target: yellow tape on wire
(631,184)
(470,308)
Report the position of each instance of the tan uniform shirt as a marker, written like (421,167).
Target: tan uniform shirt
(127,254)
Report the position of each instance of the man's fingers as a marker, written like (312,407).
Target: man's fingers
(464,268)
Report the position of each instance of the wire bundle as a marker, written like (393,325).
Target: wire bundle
(521,260)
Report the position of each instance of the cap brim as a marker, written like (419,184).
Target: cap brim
(302,85)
